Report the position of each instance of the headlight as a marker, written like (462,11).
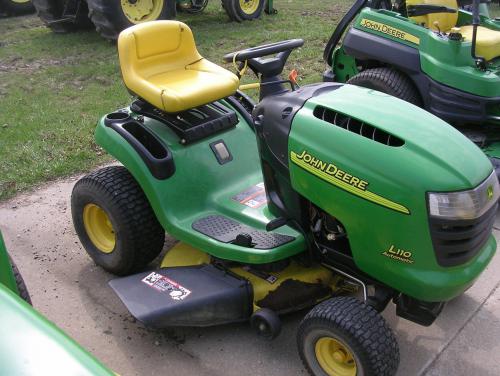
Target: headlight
(465,204)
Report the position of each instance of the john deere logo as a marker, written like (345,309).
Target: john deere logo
(489,192)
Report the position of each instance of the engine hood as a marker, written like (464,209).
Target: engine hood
(440,157)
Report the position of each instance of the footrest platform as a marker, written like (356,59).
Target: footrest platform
(226,230)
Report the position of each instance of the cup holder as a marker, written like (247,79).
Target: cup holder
(116,117)
(148,146)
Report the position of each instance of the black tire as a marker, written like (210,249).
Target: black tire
(230,8)
(266,323)
(109,18)
(139,237)
(244,14)
(389,81)
(355,325)
(21,286)
(52,10)
(12,8)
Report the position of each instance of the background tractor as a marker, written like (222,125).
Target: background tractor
(16,7)
(110,17)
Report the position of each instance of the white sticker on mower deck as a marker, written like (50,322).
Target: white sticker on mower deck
(162,284)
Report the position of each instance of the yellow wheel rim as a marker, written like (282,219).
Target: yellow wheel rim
(334,357)
(249,6)
(20,1)
(99,228)
(138,11)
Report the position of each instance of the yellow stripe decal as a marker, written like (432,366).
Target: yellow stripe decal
(367,195)
(389,30)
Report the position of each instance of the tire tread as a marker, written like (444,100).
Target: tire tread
(395,82)
(363,325)
(122,191)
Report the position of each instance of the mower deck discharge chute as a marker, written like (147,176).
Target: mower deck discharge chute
(430,53)
(294,202)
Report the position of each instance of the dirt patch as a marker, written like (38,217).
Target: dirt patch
(18,64)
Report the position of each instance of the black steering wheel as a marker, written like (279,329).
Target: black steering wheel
(269,68)
(264,50)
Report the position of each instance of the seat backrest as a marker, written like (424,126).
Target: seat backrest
(155,47)
(445,20)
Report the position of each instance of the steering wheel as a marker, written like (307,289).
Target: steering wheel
(264,50)
(269,68)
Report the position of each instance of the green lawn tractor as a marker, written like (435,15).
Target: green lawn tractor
(15,7)
(109,17)
(429,53)
(312,194)
(30,344)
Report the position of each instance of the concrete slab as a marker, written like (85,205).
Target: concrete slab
(71,291)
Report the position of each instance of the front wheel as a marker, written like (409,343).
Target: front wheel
(344,337)
(389,81)
(115,222)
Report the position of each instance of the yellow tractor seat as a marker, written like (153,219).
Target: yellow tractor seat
(160,64)
(487,41)
(436,21)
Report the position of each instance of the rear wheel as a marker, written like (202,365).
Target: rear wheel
(389,81)
(110,17)
(51,13)
(345,337)
(114,221)
(15,7)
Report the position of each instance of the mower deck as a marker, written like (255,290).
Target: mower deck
(189,291)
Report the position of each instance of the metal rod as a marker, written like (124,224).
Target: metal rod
(360,282)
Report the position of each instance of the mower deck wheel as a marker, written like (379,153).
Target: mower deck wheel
(266,323)
(389,81)
(343,336)
(16,7)
(115,222)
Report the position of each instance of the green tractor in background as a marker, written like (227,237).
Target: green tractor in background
(429,53)
(109,17)
(15,7)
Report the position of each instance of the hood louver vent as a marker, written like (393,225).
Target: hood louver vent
(355,126)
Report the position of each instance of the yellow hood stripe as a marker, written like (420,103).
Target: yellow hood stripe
(367,195)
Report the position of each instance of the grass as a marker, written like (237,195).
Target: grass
(53,88)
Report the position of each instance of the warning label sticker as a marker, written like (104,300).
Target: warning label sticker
(254,197)
(164,284)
